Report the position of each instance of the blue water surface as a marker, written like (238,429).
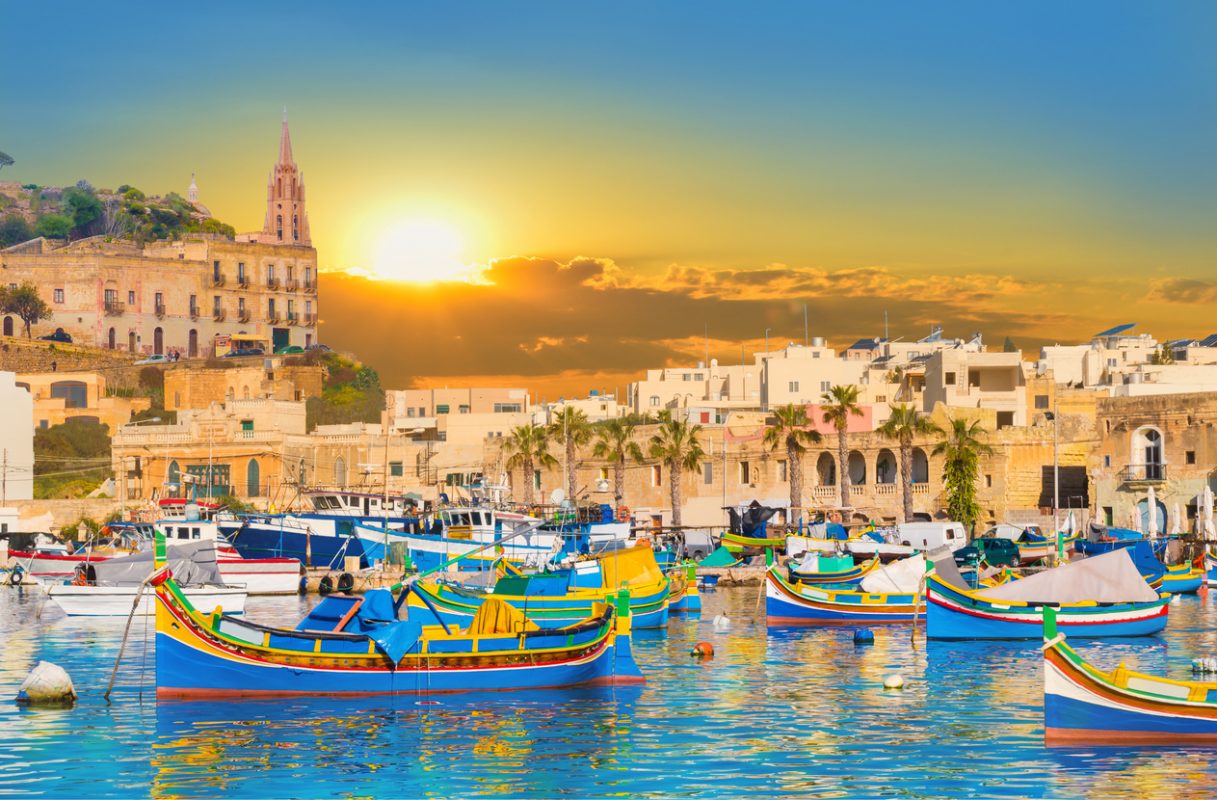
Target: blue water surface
(793,712)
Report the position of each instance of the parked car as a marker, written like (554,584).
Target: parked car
(60,335)
(155,358)
(289,350)
(257,351)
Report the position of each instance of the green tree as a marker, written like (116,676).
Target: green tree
(791,428)
(83,207)
(904,426)
(961,449)
(27,305)
(675,444)
(54,226)
(1008,346)
(571,426)
(527,447)
(15,230)
(71,459)
(839,404)
(615,444)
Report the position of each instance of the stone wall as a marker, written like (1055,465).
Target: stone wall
(67,512)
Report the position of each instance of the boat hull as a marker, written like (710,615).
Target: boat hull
(116,601)
(795,604)
(262,575)
(255,540)
(954,615)
(1085,706)
(648,609)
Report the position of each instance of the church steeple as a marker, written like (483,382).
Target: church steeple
(192,193)
(286,218)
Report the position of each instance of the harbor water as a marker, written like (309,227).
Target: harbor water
(793,712)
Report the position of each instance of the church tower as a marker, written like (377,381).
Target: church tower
(286,219)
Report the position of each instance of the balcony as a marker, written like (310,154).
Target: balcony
(159,310)
(290,285)
(194,312)
(1143,473)
(308,320)
(272,283)
(114,308)
(293,318)
(217,279)
(242,316)
(217,314)
(885,489)
(272,318)
(243,281)
(310,287)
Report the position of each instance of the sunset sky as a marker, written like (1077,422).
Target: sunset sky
(584,190)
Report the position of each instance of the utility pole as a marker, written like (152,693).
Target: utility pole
(806,330)
(4,481)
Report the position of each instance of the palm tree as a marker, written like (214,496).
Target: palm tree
(903,426)
(615,443)
(675,444)
(791,427)
(839,404)
(962,448)
(528,448)
(571,426)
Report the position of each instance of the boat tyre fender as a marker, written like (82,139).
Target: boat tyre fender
(346,582)
(80,577)
(303,587)
(16,575)
(623,513)
(325,586)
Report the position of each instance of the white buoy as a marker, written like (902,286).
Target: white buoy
(47,683)
(893,682)
(722,622)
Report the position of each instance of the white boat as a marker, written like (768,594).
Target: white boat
(110,587)
(115,601)
(257,575)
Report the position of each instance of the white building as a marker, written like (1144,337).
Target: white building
(16,441)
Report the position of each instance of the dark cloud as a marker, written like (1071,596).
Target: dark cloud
(589,317)
(1183,290)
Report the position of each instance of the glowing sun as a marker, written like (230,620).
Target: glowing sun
(421,251)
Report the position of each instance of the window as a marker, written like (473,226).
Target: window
(130,298)
(825,386)
(816,354)
(241,306)
(974,380)
(410,412)
(247,424)
(215,271)
(217,305)
(793,386)
(194,305)
(697,376)
(442,408)
(1041,401)
(1189,457)
(270,275)
(241,272)
(686,377)
(463,409)
(743,472)
(949,378)
(708,473)
(654,400)
(988,481)
(656,475)
(507,408)
(880,398)
(270,308)
(782,471)
(1107,461)
(1005,419)
(59,295)
(395,469)
(422,412)
(536,479)
(308,277)
(159,297)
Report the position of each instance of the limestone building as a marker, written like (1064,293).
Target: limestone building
(182,297)
(16,441)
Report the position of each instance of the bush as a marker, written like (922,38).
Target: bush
(53,226)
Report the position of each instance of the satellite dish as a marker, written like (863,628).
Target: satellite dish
(557,496)
(602,485)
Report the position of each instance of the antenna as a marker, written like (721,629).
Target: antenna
(886,335)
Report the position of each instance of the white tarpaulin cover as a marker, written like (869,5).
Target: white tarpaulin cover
(902,577)
(1107,578)
(191,562)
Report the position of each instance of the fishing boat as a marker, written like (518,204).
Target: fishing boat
(761,542)
(1210,569)
(313,541)
(1104,540)
(1085,705)
(887,595)
(111,587)
(558,598)
(1182,579)
(1098,597)
(358,646)
(684,596)
(823,569)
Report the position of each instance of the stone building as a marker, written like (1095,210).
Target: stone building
(60,396)
(1167,443)
(16,441)
(197,387)
(181,297)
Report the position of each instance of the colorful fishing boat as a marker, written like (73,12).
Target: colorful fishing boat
(1210,569)
(685,597)
(559,598)
(760,542)
(358,646)
(1085,705)
(820,569)
(1183,579)
(1098,597)
(791,603)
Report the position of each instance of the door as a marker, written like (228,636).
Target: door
(192,350)
(113,341)
(8,326)
(253,479)
(158,342)
(281,337)
(131,342)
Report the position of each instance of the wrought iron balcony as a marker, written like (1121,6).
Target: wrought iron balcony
(243,281)
(290,285)
(243,316)
(1143,473)
(272,318)
(309,286)
(114,308)
(272,283)
(293,318)
(218,279)
(308,320)
(217,314)
(159,310)
(194,312)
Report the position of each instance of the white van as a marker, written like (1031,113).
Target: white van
(925,536)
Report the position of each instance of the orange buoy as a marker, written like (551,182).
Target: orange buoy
(703,650)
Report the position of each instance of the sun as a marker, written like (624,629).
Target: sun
(421,251)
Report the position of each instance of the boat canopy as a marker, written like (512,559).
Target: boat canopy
(1108,578)
(192,563)
(899,577)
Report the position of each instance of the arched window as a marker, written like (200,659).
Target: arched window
(174,478)
(826,470)
(1147,451)
(295,229)
(113,339)
(340,472)
(885,467)
(192,349)
(279,226)
(8,326)
(131,342)
(253,479)
(921,466)
(857,469)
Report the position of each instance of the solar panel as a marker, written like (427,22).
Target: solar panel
(1117,330)
(1209,341)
